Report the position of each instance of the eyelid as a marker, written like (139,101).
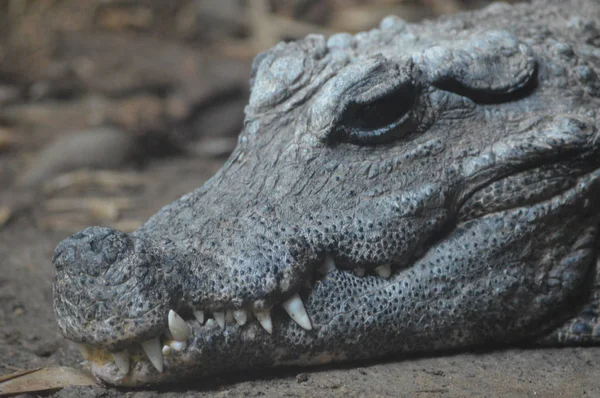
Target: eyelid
(358,83)
(370,122)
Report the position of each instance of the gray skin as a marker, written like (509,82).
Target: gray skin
(464,152)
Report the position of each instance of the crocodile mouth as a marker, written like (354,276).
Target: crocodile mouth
(167,356)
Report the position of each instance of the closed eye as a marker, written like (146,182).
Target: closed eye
(378,120)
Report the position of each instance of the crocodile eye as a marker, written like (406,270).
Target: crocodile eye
(378,120)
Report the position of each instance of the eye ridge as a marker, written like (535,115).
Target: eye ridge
(378,120)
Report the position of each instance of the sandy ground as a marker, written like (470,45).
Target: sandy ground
(29,336)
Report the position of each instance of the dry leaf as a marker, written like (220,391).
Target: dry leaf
(42,379)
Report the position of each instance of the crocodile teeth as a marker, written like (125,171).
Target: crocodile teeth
(297,312)
(328,265)
(179,329)
(177,345)
(264,318)
(199,316)
(122,361)
(166,351)
(153,351)
(210,323)
(360,272)
(240,317)
(220,318)
(384,271)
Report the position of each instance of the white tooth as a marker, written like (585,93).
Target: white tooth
(328,265)
(264,318)
(384,271)
(297,312)
(240,317)
(220,318)
(229,317)
(210,323)
(122,361)
(360,272)
(179,329)
(178,345)
(199,316)
(153,351)
(166,350)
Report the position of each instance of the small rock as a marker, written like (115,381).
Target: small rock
(302,377)
(100,148)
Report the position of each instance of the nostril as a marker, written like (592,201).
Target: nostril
(91,251)
(105,248)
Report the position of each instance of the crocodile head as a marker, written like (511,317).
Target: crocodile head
(413,188)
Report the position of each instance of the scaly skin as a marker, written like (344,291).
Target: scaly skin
(462,153)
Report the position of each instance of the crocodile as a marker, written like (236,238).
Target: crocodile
(412,189)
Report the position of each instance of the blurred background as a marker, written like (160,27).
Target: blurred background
(110,109)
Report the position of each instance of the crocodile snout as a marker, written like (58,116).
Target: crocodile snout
(105,291)
(91,251)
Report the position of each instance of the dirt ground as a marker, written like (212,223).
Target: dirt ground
(107,115)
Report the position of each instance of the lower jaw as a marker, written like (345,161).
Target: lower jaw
(141,371)
(177,365)
(237,349)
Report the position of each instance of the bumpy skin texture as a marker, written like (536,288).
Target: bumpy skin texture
(464,152)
